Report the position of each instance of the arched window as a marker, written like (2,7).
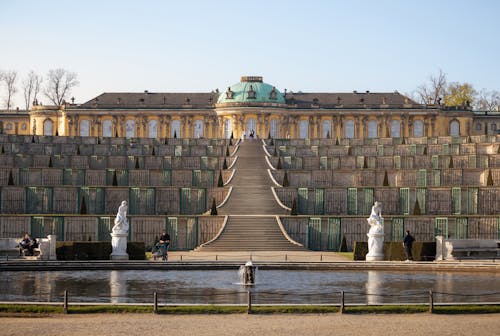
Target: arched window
(84,127)
(107,128)
(176,129)
(349,129)
(130,128)
(304,129)
(198,129)
(454,128)
(326,129)
(418,129)
(274,128)
(48,127)
(153,128)
(372,129)
(395,129)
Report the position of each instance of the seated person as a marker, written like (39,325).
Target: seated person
(162,246)
(27,244)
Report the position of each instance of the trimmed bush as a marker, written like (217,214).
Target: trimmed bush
(81,250)
(422,251)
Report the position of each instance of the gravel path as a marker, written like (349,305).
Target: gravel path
(241,324)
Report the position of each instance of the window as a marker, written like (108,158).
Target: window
(478,126)
(304,129)
(395,129)
(8,126)
(418,129)
(198,129)
(130,128)
(84,128)
(153,129)
(228,128)
(107,128)
(454,128)
(493,127)
(372,129)
(326,129)
(274,128)
(349,129)
(48,127)
(176,129)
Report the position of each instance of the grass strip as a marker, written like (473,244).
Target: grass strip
(287,309)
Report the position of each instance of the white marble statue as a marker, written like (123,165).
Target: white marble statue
(121,222)
(375,234)
(119,233)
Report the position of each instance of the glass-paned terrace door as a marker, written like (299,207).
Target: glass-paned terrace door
(397,229)
(319,201)
(314,234)
(303,200)
(334,231)
(104,229)
(441,227)
(142,201)
(172,229)
(251,127)
(41,227)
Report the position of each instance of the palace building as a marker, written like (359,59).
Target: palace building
(246,106)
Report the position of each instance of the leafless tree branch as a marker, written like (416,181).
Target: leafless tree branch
(59,85)
(31,88)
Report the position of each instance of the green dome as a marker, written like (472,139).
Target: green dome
(251,90)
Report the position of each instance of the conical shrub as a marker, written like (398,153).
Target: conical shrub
(220,181)
(416,209)
(278,166)
(489,181)
(115,179)
(386,179)
(224,164)
(293,212)
(11,178)
(83,207)
(285,180)
(213,210)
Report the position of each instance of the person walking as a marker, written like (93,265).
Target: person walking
(408,243)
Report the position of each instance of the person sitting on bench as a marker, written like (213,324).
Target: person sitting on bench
(27,244)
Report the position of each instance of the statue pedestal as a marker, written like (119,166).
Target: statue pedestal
(375,247)
(119,245)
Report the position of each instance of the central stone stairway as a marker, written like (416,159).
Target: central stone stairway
(252,209)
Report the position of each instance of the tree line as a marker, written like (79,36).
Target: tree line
(437,90)
(58,83)
(55,86)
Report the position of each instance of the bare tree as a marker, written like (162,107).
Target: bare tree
(59,85)
(434,90)
(487,100)
(9,78)
(31,88)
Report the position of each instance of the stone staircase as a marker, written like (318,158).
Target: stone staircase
(251,208)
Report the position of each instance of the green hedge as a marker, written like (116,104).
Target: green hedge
(422,251)
(68,250)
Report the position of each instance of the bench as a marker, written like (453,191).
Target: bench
(9,247)
(456,249)
(46,250)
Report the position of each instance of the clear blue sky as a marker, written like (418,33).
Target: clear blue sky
(193,46)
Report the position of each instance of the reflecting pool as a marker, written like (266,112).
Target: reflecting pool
(272,286)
